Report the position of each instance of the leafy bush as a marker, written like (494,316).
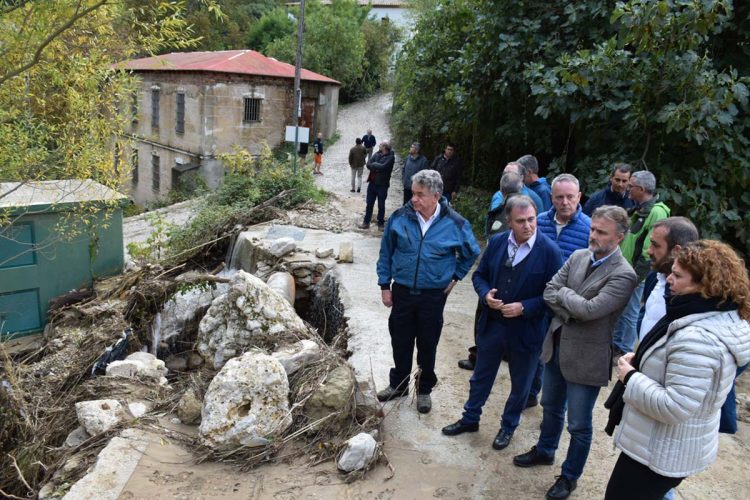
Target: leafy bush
(250,181)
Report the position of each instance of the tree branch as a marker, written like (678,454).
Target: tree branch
(50,38)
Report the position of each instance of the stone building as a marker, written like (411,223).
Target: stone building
(194,106)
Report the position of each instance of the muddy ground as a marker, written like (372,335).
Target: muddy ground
(423,463)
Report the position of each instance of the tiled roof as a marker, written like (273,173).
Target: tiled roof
(244,62)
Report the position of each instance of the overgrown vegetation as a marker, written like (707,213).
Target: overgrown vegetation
(242,198)
(660,84)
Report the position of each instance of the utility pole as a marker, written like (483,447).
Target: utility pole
(297,112)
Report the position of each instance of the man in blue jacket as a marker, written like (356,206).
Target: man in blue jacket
(537,184)
(427,247)
(566,225)
(497,198)
(510,282)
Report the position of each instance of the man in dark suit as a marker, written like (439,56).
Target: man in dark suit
(510,282)
(586,296)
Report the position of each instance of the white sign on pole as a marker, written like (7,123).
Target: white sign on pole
(304,134)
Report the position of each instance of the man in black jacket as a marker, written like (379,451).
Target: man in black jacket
(616,192)
(378,181)
(449,167)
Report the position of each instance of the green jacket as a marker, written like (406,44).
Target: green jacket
(638,240)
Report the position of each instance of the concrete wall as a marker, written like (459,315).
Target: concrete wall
(214,109)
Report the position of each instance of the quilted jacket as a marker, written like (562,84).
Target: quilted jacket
(671,418)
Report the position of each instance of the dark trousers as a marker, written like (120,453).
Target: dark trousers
(491,348)
(407,195)
(631,479)
(416,317)
(376,192)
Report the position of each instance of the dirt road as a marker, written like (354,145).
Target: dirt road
(425,463)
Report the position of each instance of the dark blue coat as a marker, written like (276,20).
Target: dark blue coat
(607,197)
(574,236)
(526,332)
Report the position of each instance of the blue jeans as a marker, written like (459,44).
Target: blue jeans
(375,192)
(557,394)
(625,332)
(536,385)
(728,419)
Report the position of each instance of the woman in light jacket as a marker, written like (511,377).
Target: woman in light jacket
(681,373)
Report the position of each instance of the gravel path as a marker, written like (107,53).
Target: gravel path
(353,121)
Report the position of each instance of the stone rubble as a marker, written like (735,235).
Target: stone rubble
(236,320)
(139,365)
(332,397)
(100,415)
(189,408)
(297,355)
(346,253)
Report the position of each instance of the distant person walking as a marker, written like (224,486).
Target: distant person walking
(414,162)
(378,182)
(318,148)
(357,163)
(369,142)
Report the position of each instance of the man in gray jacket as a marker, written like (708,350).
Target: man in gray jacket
(414,162)
(586,296)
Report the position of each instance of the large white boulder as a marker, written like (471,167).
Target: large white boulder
(359,452)
(249,311)
(246,404)
(297,355)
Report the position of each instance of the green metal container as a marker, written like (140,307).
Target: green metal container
(55,236)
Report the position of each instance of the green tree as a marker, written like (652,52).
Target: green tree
(662,84)
(230,31)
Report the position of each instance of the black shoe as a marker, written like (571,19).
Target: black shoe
(351,190)
(364,225)
(532,402)
(390,393)
(424,403)
(502,440)
(358,190)
(532,458)
(466,364)
(562,488)
(459,428)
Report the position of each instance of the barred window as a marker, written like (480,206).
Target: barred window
(252,110)
(155,108)
(180,119)
(134,166)
(155,174)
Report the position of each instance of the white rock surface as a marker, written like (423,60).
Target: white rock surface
(235,320)
(246,403)
(323,253)
(359,452)
(138,408)
(100,415)
(297,355)
(187,307)
(346,252)
(139,365)
(282,246)
(113,468)
(283,284)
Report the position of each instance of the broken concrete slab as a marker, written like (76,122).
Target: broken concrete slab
(113,468)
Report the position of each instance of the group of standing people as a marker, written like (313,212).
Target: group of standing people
(566,292)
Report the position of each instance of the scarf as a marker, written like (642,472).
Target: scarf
(678,306)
